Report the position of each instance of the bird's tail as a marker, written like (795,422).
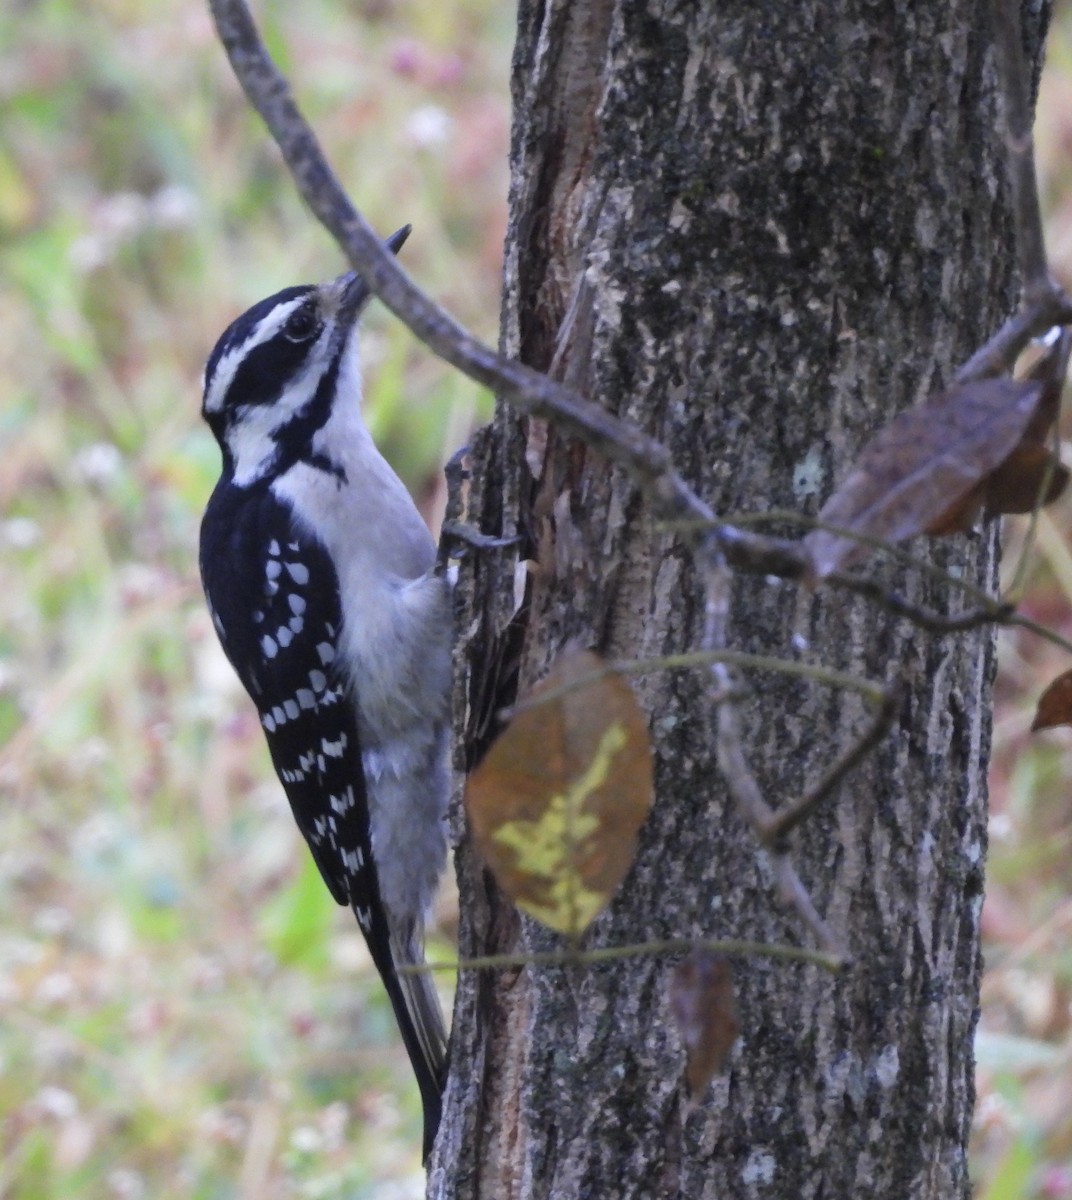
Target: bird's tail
(420,1021)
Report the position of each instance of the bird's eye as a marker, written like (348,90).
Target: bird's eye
(302,324)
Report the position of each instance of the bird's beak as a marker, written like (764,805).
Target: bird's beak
(353,291)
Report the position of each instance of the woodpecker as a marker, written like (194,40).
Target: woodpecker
(319,576)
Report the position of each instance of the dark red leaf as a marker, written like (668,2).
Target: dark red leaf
(1055,704)
(702,1001)
(913,472)
(1016,486)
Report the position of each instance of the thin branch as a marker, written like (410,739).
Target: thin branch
(1044,304)
(1018,621)
(874,693)
(746,791)
(892,550)
(601,954)
(648,461)
(1001,351)
(733,762)
(788,818)
(925,618)
(1020,147)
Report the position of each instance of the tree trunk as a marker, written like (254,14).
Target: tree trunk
(757,231)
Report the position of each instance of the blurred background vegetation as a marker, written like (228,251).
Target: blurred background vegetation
(183,1010)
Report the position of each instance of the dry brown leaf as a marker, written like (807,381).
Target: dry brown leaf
(557,802)
(1049,371)
(961,515)
(1055,704)
(914,471)
(1015,486)
(702,1001)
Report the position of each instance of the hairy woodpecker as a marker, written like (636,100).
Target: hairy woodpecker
(318,571)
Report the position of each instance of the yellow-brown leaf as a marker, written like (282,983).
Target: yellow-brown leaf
(556,803)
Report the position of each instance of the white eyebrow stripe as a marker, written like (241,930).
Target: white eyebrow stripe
(263,331)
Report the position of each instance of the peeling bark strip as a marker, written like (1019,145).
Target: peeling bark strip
(758,232)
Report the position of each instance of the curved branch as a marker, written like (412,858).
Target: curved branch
(533,393)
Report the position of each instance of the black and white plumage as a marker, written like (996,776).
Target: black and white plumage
(318,571)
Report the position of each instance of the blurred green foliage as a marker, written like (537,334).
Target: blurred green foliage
(184,1012)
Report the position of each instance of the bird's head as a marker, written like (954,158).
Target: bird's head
(272,378)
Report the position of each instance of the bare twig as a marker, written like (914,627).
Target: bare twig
(648,461)
(788,818)
(874,693)
(746,792)
(734,766)
(572,956)
(1045,304)
(1020,147)
(925,618)
(1002,350)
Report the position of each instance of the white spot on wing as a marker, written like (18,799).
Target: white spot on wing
(269,647)
(299,572)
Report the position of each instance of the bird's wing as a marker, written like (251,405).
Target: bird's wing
(274,596)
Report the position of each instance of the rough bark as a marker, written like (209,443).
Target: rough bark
(757,231)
